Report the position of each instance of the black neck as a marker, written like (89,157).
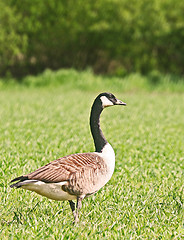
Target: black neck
(98,137)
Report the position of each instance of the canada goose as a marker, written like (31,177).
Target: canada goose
(79,175)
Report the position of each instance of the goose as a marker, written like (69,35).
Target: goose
(78,175)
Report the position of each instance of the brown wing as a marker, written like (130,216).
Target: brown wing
(62,168)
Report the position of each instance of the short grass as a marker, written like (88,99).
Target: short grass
(143,200)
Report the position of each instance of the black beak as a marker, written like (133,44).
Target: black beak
(119,102)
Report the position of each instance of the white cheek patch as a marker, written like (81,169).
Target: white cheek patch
(106,102)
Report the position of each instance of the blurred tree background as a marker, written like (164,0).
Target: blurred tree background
(110,36)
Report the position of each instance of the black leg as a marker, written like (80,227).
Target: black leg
(72,206)
(79,205)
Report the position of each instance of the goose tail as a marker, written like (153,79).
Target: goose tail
(19,181)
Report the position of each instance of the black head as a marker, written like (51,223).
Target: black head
(108,99)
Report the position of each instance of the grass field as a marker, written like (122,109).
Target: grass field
(42,122)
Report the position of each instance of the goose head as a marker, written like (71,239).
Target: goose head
(108,99)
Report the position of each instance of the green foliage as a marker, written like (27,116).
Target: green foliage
(87,80)
(114,36)
(12,43)
(143,200)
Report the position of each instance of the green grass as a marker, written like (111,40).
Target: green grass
(39,123)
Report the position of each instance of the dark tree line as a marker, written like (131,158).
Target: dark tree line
(111,36)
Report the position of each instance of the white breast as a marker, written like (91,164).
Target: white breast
(109,157)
